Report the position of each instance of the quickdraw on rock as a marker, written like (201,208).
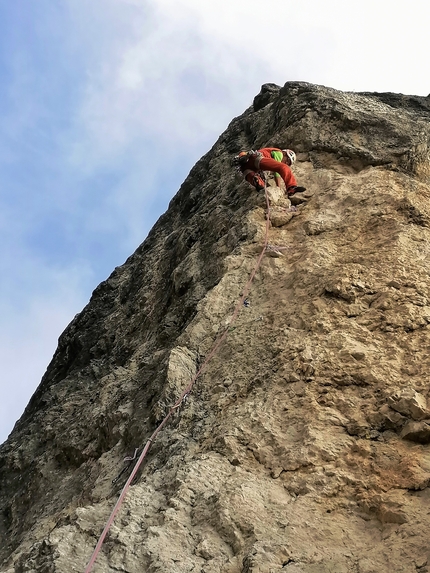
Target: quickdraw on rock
(126,459)
(275,248)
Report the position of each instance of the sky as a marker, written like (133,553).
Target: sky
(105,106)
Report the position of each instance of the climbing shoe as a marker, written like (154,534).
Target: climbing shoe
(258,182)
(294,189)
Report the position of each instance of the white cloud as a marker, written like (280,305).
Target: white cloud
(30,329)
(174,78)
(185,67)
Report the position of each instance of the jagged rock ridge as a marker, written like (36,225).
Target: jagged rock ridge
(305,445)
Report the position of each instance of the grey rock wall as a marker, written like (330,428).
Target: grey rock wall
(304,446)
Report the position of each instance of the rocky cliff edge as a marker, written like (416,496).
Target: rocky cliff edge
(304,446)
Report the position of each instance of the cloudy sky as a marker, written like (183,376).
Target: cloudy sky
(105,105)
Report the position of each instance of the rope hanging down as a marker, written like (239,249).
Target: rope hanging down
(184,394)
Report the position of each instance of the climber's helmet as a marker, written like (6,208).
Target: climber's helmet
(289,155)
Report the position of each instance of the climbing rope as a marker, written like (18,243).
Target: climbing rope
(183,396)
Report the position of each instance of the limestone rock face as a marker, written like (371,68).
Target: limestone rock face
(304,446)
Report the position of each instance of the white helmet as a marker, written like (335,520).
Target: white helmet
(290,153)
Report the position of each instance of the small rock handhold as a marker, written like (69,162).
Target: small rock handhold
(298,199)
(389,419)
(416,432)
(410,403)
(280,217)
(421,562)
(358,354)
(389,513)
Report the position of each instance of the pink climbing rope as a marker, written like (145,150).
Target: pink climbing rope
(185,393)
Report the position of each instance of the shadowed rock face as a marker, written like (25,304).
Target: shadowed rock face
(304,446)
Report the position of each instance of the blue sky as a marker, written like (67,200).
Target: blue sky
(105,105)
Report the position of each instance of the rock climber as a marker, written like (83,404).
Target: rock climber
(279,161)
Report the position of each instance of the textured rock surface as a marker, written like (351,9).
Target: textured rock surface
(304,446)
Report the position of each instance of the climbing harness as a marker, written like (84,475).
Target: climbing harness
(244,156)
(240,160)
(182,397)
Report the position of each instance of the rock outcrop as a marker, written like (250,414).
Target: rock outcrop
(304,446)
